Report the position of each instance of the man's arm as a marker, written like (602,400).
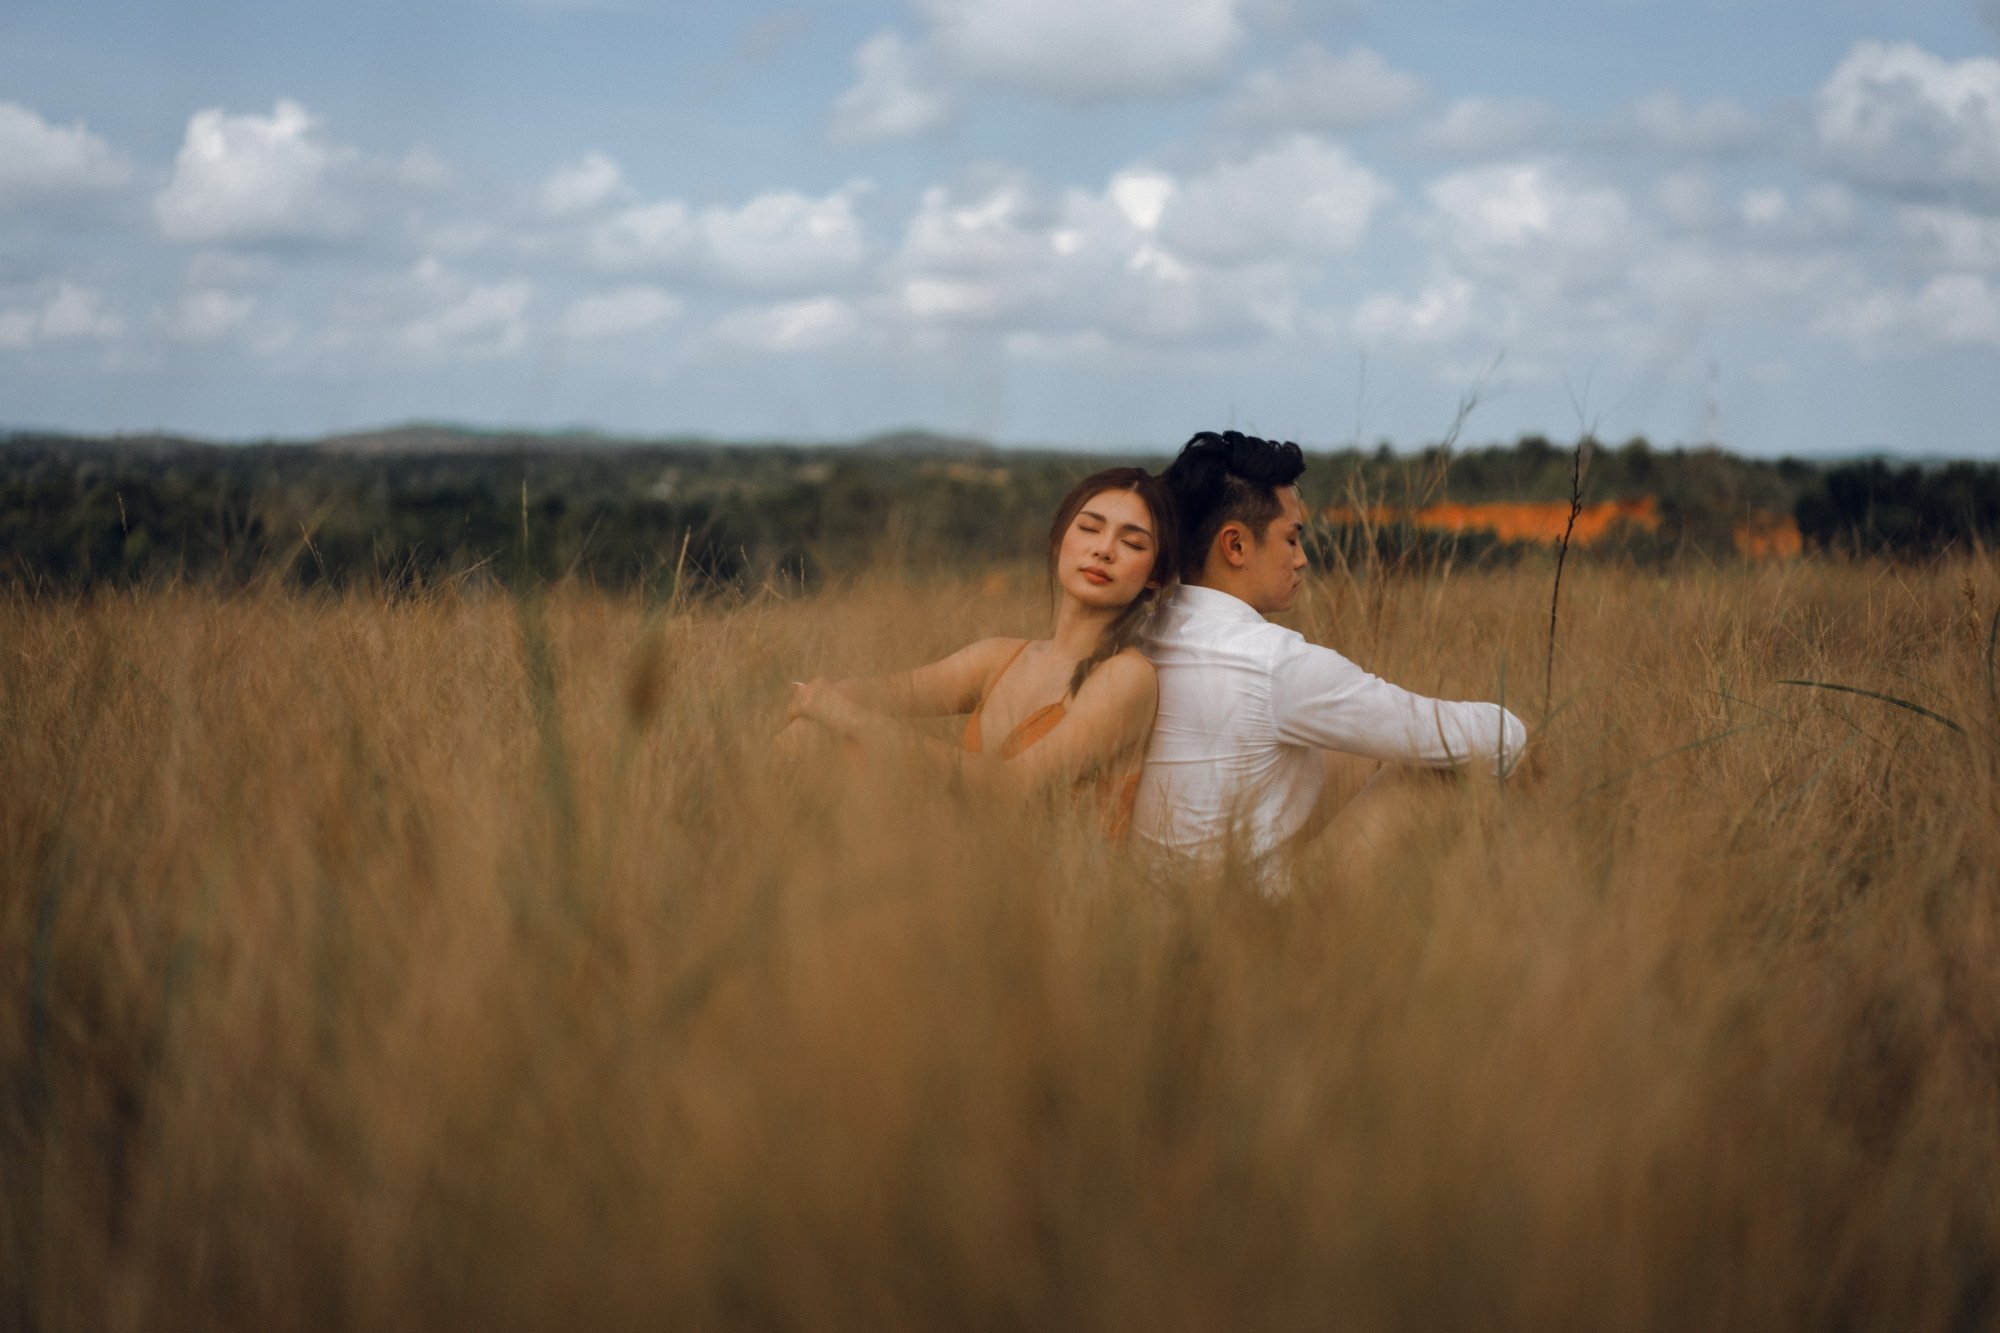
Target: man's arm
(1322,699)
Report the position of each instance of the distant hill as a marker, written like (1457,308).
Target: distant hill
(433,438)
(923,444)
(428,438)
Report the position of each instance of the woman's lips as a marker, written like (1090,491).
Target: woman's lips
(1097,576)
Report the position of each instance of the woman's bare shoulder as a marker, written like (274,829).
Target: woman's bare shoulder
(1128,673)
(1131,660)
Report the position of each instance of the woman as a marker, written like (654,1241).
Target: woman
(1074,708)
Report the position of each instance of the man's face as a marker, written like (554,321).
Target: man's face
(1276,564)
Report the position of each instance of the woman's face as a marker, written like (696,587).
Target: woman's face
(1106,558)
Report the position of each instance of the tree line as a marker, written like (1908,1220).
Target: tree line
(79,513)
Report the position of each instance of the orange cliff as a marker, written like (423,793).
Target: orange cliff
(1762,536)
(1765,536)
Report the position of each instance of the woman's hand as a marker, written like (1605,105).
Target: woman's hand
(823,702)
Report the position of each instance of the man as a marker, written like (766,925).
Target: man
(1262,737)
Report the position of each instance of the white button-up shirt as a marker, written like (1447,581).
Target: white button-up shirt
(1245,708)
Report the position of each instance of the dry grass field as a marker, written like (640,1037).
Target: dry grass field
(453,962)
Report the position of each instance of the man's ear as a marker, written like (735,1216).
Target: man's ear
(1232,542)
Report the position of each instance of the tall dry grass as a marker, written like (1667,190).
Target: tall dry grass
(460,963)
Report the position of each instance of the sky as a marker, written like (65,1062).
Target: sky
(1768,224)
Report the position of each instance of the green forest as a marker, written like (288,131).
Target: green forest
(421,506)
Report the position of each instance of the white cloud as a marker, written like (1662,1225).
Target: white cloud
(251,178)
(1505,206)
(1690,202)
(1479,127)
(812,324)
(783,239)
(972,261)
(228,268)
(69,312)
(1896,115)
(616,313)
(1439,313)
(898,93)
(1953,238)
(1305,196)
(1951,309)
(1160,299)
(43,161)
(1142,197)
(1697,280)
(1555,264)
(78,312)
(487,320)
(1687,200)
(644,236)
(1830,210)
(1315,89)
(996,231)
(775,241)
(1074,50)
(460,317)
(1096,262)
(422,169)
(1081,346)
(1665,121)
(208,314)
(955,300)
(1112,262)
(1511,206)
(462,237)
(1764,206)
(1085,49)
(581,185)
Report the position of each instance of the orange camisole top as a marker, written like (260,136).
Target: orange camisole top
(1116,790)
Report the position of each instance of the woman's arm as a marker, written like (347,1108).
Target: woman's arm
(1111,713)
(948,686)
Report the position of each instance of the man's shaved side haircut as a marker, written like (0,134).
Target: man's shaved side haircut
(1228,477)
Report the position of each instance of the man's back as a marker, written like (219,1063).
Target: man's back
(1215,762)
(1245,708)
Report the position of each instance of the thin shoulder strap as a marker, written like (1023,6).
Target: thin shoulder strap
(994,679)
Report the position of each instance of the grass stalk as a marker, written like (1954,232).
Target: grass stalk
(1993,674)
(1578,464)
(1917,708)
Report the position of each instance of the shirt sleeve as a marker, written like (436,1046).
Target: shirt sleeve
(1319,698)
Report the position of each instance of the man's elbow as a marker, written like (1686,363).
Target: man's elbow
(1513,747)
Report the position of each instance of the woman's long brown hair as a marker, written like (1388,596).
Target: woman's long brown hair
(1159,502)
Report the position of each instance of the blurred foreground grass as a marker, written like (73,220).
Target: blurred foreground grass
(460,963)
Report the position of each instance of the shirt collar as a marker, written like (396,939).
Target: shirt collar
(1213,603)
